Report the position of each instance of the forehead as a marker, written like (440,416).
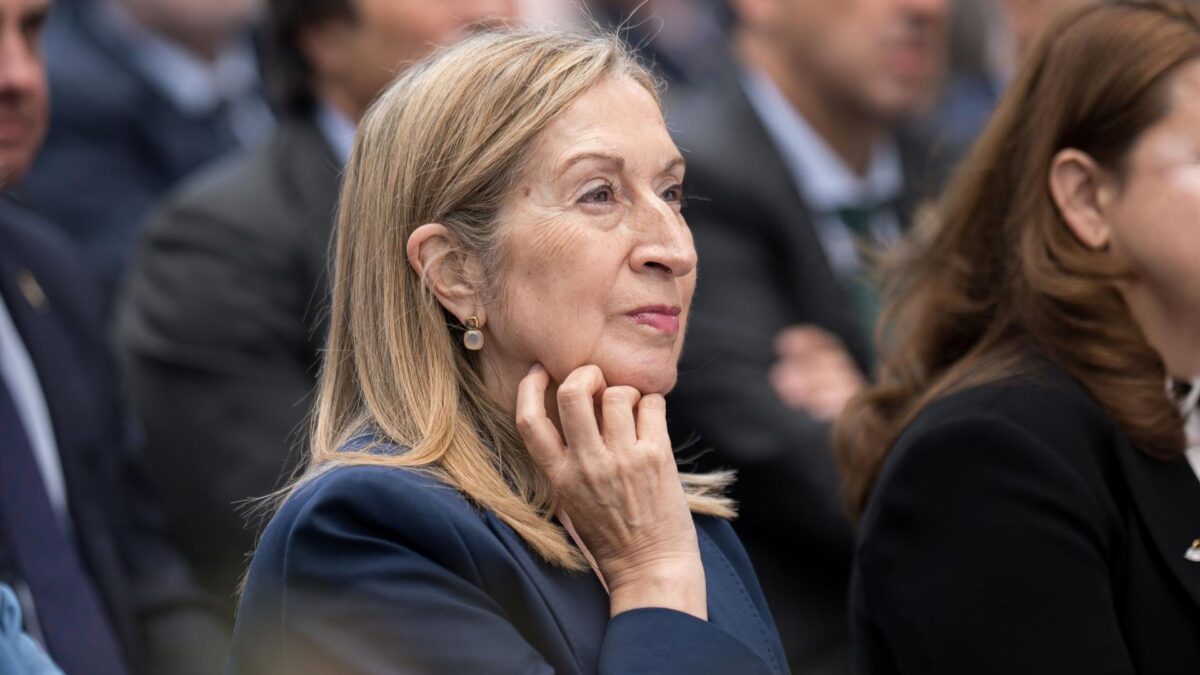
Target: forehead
(617,116)
(1184,93)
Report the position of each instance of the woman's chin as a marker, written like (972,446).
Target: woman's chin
(645,380)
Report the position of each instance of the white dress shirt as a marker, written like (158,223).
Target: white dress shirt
(18,374)
(337,129)
(1190,408)
(824,181)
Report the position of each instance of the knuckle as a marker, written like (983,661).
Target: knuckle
(654,402)
(571,392)
(615,396)
(526,424)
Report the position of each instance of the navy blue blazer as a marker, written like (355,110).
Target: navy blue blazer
(387,570)
(162,618)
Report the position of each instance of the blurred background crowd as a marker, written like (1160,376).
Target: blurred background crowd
(163,269)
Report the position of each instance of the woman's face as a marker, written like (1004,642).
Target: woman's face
(597,265)
(1154,224)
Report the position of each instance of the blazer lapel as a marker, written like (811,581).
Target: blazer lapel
(63,375)
(576,601)
(1167,498)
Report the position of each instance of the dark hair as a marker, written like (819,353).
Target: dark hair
(995,268)
(289,74)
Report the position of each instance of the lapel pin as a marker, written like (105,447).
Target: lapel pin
(32,290)
(1193,553)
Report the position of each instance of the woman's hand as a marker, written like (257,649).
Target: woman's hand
(616,479)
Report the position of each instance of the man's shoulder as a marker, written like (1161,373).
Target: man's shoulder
(37,245)
(256,188)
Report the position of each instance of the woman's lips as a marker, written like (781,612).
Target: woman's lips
(659,317)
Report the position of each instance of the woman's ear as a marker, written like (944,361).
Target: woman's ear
(1082,190)
(453,275)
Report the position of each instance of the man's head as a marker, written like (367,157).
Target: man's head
(878,58)
(347,51)
(24,101)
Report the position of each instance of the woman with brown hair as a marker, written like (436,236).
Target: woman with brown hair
(1021,469)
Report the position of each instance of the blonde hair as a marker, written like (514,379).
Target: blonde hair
(446,143)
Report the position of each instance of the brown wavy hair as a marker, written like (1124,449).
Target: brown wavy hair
(992,269)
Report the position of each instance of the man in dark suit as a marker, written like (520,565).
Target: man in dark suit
(794,160)
(80,539)
(225,311)
(145,92)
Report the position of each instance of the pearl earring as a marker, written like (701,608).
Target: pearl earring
(473,338)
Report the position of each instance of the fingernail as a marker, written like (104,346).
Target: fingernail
(535,368)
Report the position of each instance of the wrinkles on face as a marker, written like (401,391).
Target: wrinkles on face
(591,234)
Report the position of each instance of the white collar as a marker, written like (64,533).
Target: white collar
(337,128)
(825,181)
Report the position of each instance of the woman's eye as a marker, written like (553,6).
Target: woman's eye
(601,195)
(675,193)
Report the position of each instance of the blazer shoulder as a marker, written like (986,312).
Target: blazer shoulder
(397,504)
(243,191)
(267,190)
(1044,404)
(1042,430)
(38,245)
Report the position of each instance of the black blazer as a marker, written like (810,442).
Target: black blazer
(374,570)
(165,622)
(1015,529)
(219,331)
(761,268)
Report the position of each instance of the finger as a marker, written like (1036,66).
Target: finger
(538,432)
(652,419)
(803,339)
(617,405)
(577,408)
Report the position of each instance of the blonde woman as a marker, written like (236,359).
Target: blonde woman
(492,488)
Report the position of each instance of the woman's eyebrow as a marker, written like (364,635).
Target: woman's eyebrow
(617,163)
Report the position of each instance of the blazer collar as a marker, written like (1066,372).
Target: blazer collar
(1166,496)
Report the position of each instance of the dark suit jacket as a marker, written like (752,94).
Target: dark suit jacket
(162,618)
(762,268)
(382,570)
(115,144)
(219,331)
(1015,529)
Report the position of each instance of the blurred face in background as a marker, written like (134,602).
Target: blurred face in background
(23,97)
(881,58)
(360,58)
(202,25)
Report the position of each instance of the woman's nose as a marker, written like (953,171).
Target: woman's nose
(665,242)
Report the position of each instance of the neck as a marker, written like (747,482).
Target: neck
(1174,332)
(850,132)
(341,100)
(502,382)
(205,45)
